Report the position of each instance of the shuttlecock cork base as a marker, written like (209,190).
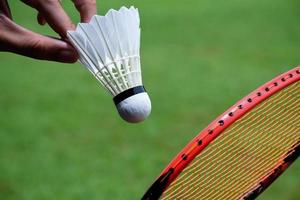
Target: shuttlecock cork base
(134,104)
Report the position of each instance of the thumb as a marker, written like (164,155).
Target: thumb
(17,39)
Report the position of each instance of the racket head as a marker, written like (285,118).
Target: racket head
(167,185)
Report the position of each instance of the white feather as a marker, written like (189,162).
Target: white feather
(109,47)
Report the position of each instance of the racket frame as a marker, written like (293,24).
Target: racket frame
(217,127)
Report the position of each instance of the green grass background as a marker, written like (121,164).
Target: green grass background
(61,137)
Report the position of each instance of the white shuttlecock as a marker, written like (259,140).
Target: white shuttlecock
(109,47)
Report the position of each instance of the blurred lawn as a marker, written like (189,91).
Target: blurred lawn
(60,135)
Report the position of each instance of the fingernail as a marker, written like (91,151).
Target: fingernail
(67,55)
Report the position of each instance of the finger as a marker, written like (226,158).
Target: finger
(17,39)
(41,19)
(4,8)
(54,14)
(86,8)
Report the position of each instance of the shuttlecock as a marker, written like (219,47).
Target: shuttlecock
(109,47)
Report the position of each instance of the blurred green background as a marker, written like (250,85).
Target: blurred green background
(61,137)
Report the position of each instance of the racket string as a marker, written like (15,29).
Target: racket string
(244,153)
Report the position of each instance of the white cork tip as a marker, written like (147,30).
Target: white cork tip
(136,108)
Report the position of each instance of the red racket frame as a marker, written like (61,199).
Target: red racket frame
(212,131)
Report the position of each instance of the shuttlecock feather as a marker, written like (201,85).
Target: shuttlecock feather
(109,47)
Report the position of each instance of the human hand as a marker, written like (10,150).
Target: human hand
(17,39)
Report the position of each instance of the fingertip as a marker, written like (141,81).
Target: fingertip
(67,55)
(41,19)
(55,16)
(86,8)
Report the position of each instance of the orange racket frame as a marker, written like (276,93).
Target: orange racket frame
(206,136)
